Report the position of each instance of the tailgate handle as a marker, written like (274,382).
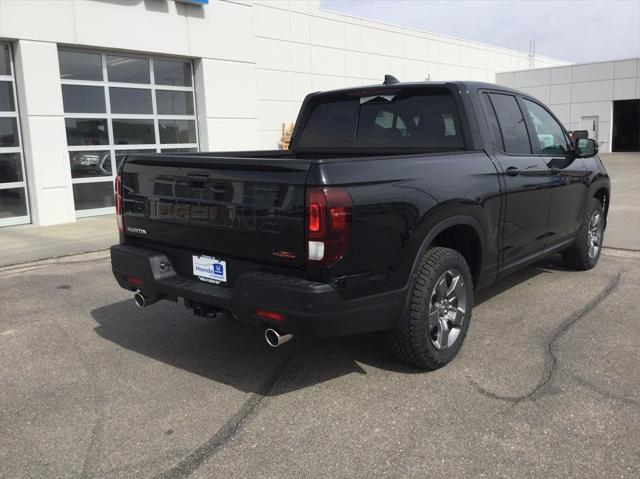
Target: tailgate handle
(198,180)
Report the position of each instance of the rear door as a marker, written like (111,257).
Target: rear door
(249,209)
(525,180)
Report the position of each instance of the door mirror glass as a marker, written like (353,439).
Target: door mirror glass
(586,148)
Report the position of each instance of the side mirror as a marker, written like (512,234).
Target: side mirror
(586,148)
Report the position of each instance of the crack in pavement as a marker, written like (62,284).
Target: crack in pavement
(221,438)
(551,360)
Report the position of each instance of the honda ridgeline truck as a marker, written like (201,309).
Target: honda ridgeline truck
(393,205)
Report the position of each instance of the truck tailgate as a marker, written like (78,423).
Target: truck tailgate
(244,208)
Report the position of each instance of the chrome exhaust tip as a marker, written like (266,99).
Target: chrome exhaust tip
(275,338)
(140,300)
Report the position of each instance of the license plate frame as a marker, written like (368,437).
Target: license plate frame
(209,269)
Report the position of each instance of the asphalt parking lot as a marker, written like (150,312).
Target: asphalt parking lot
(546,385)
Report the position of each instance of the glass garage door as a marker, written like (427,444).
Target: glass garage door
(116,104)
(14,205)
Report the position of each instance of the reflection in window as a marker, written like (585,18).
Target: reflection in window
(80,65)
(122,154)
(130,100)
(86,131)
(173,102)
(5,60)
(13,202)
(177,131)
(6,96)
(83,99)
(551,138)
(168,72)
(87,196)
(10,168)
(8,132)
(86,164)
(133,132)
(128,69)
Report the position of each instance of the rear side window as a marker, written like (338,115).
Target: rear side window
(512,125)
(492,121)
(406,119)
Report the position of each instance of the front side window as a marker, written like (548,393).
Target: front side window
(116,105)
(512,125)
(550,136)
(425,119)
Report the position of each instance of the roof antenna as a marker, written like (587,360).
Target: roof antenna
(390,80)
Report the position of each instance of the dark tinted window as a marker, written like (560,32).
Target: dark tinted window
(405,119)
(172,102)
(168,72)
(83,99)
(5,61)
(8,132)
(492,122)
(177,131)
(133,132)
(86,131)
(130,100)
(93,195)
(10,168)
(6,96)
(512,125)
(80,65)
(128,69)
(13,202)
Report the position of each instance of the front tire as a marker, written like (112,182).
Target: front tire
(440,303)
(584,253)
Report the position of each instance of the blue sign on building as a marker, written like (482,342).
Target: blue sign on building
(194,2)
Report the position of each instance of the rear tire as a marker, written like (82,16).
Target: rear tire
(583,254)
(432,331)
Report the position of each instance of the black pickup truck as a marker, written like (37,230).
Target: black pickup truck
(393,204)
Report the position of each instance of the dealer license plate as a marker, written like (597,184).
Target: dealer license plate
(210,269)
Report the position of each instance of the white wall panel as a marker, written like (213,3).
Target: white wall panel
(560,94)
(328,33)
(625,69)
(274,85)
(624,89)
(352,64)
(230,89)
(299,25)
(302,85)
(271,22)
(38,20)
(560,75)
(375,41)
(531,78)
(542,93)
(505,79)
(415,48)
(226,32)
(300,57)
(327,61)
(592,72)
(274,54)
(562,112)
(601,109)
(592,91)
(228,133)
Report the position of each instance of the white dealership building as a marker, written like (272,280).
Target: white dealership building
(84,82)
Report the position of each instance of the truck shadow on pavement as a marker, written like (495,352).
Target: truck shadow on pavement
(231,353)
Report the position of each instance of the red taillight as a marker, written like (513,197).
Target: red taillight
(133,281)
(328,217)
(263,313)
(119,202)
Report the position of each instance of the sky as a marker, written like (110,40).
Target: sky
(578,31)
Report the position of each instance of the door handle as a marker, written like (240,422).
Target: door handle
(513,171)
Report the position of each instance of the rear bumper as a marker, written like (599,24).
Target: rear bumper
(309,308)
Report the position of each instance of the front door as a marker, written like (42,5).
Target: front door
(590,123)
(568,174)
(526,182)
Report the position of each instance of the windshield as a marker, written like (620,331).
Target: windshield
(424,120)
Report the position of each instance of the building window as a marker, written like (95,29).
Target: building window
(14,205)
(115,105)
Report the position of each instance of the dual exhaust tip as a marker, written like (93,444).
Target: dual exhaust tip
(273,337)
(143,301)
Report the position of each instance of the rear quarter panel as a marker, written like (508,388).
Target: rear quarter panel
(398,201)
